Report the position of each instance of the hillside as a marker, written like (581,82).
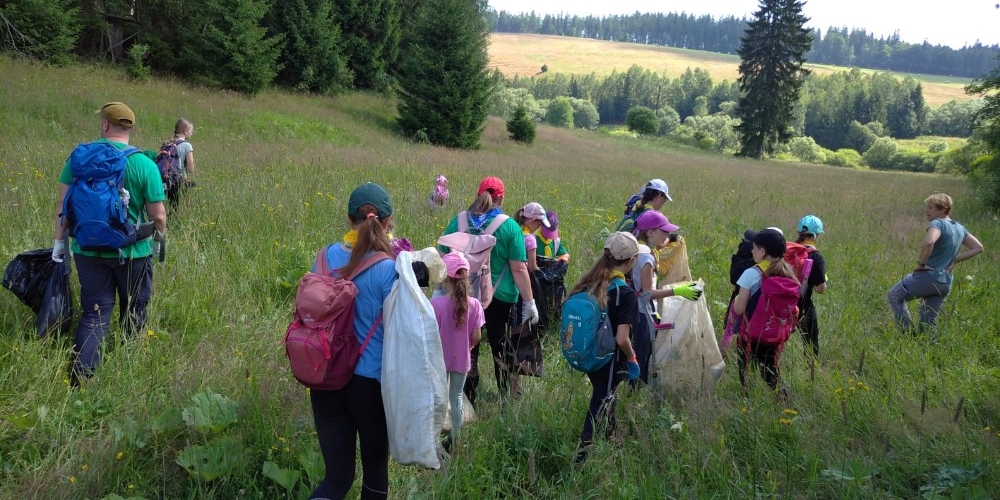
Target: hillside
(520,54)
(879,415)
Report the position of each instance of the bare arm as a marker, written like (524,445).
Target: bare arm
(532,262)
(477,335)
(621,338)
(60,228)
(740,303)
(974,248)
(158,214)
(519,271)
(189,162)
(930,239)
(647,284)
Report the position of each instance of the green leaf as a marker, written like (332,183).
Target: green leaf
(312,461)
(129,432)
(211,412)
(284,477)
(169,420)
(28,420)
(216,459)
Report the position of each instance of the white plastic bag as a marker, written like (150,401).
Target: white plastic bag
(413,373)
(686,359)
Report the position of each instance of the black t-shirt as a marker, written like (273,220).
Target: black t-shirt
(817,276)
(623,307)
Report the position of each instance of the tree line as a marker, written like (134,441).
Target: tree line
(839,46)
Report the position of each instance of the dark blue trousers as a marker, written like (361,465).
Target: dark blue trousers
(101,282)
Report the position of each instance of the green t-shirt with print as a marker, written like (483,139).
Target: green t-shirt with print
(510,246)
(142,181)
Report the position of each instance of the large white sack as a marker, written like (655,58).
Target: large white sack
(686,359)
(413,373)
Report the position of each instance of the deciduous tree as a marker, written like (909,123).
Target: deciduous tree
(986,170)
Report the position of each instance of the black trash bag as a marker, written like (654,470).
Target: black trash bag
(57,303)
(551,279)
(27,276)
(525,340)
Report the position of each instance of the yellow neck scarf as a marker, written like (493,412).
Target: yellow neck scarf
(616,274)
(351,238)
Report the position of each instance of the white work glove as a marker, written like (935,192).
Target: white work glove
(154,246)
(58,250)
(529,312)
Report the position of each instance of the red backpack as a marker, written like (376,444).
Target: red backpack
(776,312)
(320,342)
(797,256)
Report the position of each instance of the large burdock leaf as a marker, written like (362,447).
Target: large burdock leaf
(285,477)
(211,412)
(216,459)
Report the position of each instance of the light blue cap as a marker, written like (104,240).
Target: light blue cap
(811,224)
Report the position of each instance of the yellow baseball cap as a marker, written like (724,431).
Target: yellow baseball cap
(117,113)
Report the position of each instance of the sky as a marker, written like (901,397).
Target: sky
(954,23)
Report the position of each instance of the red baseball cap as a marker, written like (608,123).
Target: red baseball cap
(492,184)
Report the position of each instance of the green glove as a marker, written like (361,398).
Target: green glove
(688,290)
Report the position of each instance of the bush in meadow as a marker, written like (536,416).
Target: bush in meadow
(560,112)
(642,120)
(521,127)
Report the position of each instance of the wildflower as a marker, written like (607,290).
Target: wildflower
(987,428)
(66,382)
(84,467)
(120,455)
(785,421)
(679,426)
(743,409)
(282,438)
(790,411)
(968,277)
(131,486)
(72,479)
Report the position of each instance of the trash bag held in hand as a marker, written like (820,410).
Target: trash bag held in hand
(57,303)
(27,276)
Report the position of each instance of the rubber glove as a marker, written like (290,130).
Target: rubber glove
(633,368)
(529,312)
(154,246)
(58,250)
(687,290)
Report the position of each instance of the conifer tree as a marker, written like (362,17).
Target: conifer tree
(311,57)
(444,85)
(986,169)
(43,29)
(772,52)
(370,31)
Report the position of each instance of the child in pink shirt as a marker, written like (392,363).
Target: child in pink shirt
(460,321)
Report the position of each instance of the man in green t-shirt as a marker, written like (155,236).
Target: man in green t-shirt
(128,273)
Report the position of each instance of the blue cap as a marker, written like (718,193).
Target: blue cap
(811,224)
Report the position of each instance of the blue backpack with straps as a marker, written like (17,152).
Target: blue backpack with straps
(94,209)
(587,340)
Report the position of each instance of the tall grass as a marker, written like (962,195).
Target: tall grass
(274,175)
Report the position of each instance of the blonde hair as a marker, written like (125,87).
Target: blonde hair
(484,203)
(595,281)
(781,268)
(941,201)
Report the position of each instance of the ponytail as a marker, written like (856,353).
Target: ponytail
(647,196)
(595,281)
(519,217)
(482,204)
(372,236)
(460,294)
(782,269)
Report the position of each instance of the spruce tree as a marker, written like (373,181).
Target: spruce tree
(444,85)
(772,52)
(370,31)
(521,127)
(986,169)
(46,30)
(311,57)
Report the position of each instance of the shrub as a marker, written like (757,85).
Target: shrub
(879,156)
(506,101)
(642,120)
(669,121)
(137,68)
(585,114)
(521,127)
(938,147)
(913,161)
(844,157)
(805,149)
(560,112)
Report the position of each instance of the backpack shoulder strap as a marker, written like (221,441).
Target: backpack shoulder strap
(369,262)
(463,221)
(495,224)
(322,268)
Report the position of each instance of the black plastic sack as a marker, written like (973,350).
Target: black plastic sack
(27,276)
(57,303)
(550,278)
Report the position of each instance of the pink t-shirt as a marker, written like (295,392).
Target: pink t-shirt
(457,341)
(530,243)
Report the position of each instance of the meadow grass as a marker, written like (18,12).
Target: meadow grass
(273,180)
(524,55)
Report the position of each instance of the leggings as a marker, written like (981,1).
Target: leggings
(456,382)
(604,381)
(765,356)
(503,365)
(344,417)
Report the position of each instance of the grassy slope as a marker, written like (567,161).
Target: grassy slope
(518,54)
(274,176)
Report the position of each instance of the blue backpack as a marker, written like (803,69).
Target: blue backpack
(588,342)
(94,211)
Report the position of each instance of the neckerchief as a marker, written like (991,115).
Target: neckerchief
(614,273)
(547,245)
(476,222)
(351,237)
(809,243)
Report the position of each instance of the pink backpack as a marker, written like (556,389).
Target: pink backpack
(320,342)
(477,249)
(776,313)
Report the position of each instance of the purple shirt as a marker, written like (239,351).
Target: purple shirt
(456,341)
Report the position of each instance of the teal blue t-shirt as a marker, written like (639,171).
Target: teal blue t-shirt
(945,248)
(143,182)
